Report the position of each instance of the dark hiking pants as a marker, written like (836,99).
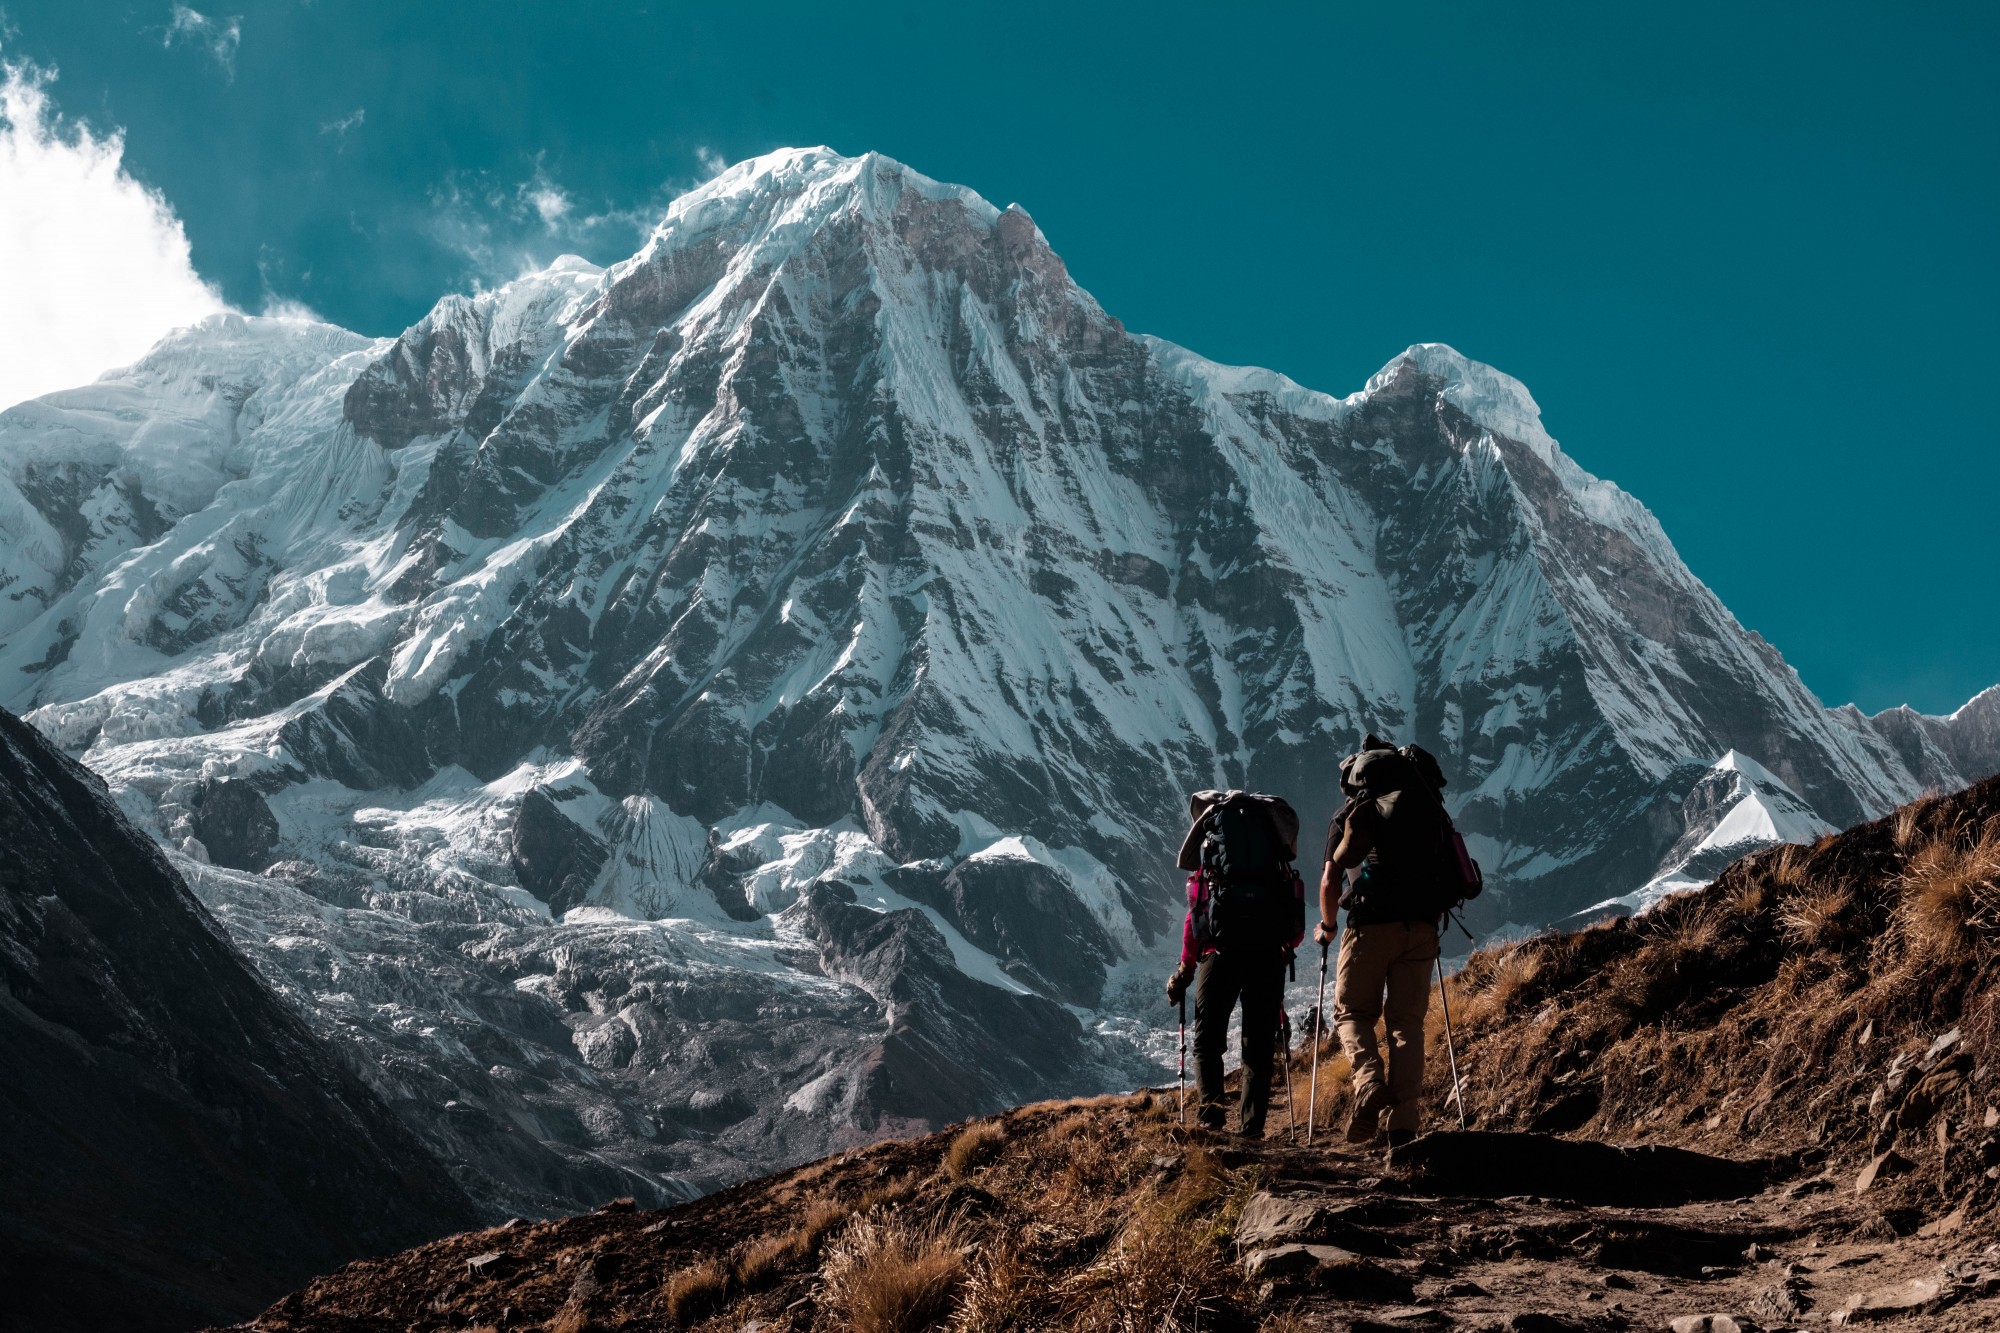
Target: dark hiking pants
(1257,978)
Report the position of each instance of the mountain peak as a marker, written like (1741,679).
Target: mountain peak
(820,179)
(1497,401)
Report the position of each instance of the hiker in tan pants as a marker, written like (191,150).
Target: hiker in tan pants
(1385,968)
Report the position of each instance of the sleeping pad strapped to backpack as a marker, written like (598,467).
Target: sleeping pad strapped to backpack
(1418,869)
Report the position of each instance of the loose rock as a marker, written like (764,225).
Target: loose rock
(1888,1302)
(490,1264)
(1880,1167)
(1290,1261)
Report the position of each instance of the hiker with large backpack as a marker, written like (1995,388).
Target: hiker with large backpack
(1395,862)
(1246,916)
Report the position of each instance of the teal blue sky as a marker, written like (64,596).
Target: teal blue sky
(1745,256)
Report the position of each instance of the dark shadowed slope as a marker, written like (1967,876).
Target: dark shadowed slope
(177,1147)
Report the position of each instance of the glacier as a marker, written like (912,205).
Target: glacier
(739,701)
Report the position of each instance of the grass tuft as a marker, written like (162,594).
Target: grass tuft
(696,1292)
(974,1148)
(1950,894)
(887,1276)
(999,1294)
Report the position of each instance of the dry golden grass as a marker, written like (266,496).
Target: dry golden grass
(1077,1169)
(822,1216)
(1000,1292)
(1910,823)
(1494,982)
(696,1292)
(1285,1321)
(1950,892)
(765,1260)
(1170,1258)
(887,1276)
(1748,897)
(974,1148)
(1788,865)
(1820,917)
(890,1195)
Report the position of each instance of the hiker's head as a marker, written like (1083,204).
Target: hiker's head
(1369,742)
(1380,767)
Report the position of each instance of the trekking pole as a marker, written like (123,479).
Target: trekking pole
(1291,1116)
(1182,1089)
(1319,1025)
(1451,1047)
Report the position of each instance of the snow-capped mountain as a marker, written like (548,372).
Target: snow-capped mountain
(728,701)
(1737,807)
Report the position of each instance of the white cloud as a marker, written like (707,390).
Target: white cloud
(339,128)
(713,164)
(550,203)
(506,231)
(284,307)
(94,267)
(219,37)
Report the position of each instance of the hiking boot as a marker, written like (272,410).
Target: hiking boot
(1369,1104)
(1211,1117)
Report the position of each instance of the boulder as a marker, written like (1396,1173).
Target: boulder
(1929,1095)
(1713,1323)
(1276,1262)
(1331,1270)
(1277,1219)
(490,1264)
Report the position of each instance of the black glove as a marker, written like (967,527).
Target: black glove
(1177,984)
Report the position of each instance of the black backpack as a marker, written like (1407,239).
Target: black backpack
(1245,858)
(1419,869)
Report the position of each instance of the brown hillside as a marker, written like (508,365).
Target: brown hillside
(1832,1003)
(1816,1011)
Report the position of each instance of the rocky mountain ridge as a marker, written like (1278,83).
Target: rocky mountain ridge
(597,645)
(179,1148)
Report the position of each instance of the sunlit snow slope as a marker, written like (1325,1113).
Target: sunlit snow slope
(714,706)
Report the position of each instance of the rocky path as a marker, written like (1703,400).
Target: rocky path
(1360,1240)
(1109,1215)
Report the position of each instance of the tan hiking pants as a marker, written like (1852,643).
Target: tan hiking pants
(1392,959)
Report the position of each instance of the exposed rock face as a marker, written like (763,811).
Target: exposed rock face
(178,1147)
(838,535)
(553,857)
(234,823)
(951,1041)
